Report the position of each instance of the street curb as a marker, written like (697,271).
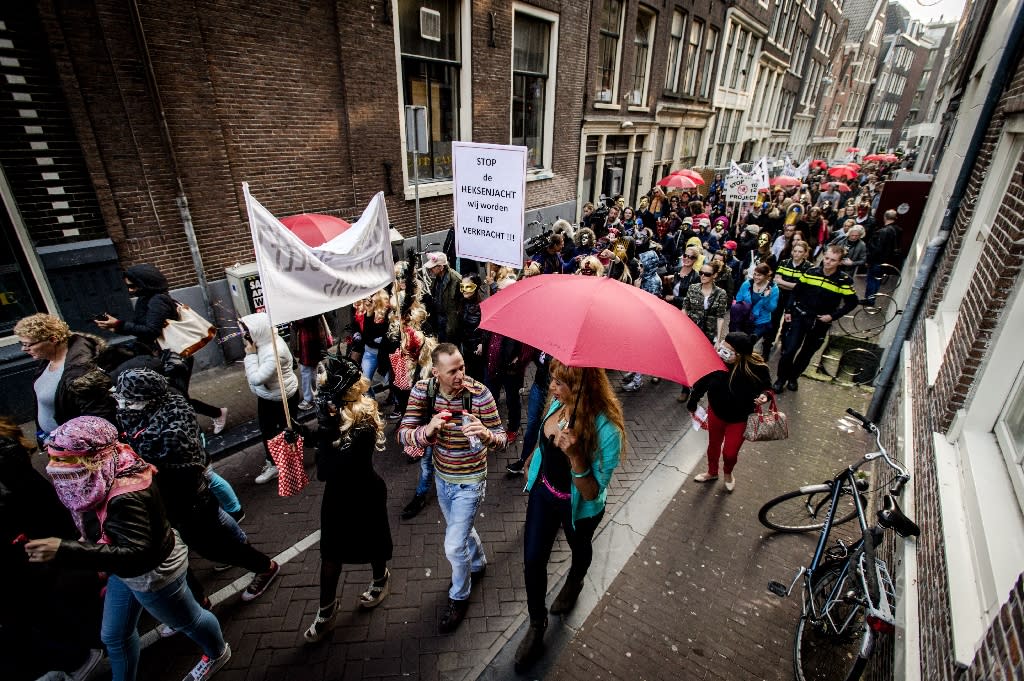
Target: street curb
(240,437)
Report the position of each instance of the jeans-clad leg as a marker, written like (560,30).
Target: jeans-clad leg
(426,472)
(223,490)
(308,377)
(462,546)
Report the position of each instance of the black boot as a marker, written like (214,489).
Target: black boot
(413,508)
(532,645)
(566,598)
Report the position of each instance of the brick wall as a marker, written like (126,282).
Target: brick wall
(298,98)
(997,275)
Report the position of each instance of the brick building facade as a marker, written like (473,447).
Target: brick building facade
(958,415)
(133,125)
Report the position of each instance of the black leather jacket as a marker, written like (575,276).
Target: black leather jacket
(140,537)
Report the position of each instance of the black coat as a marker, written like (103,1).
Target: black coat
(140,537)
(354,524)
(84,388)
(153,307)
(731,397)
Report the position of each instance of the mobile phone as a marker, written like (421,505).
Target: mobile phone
(446,415)
(102,316)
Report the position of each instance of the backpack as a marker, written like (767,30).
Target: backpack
(428,413)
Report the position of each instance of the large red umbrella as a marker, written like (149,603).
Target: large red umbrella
(692,174)
(786,181)
(844,172)
(841,186)
(315,229)
(674,181)
(853,150)
(601,323)
(819,164)
(875,157)
(850,164)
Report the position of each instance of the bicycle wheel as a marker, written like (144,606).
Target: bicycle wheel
(805,510)
(830,636)
(889,277)
(859,366)
(869,320)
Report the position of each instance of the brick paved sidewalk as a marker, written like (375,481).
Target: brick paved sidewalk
(692,602)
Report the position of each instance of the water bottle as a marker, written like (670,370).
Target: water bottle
(474,442)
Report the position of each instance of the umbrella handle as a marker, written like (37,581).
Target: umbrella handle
(576,402)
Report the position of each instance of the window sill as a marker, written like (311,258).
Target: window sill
(609,107)
(983,534)
(539,174)
(933,346)
(430,189)
(639,109)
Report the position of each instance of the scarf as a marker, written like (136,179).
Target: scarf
(89,467)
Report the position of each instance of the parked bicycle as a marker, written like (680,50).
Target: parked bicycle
(848,598)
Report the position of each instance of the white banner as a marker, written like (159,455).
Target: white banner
(490,201)
(299,281)
(760,173)
(740,188)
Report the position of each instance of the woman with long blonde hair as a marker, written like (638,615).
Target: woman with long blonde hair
(375,327)
(354,524)
(582,438)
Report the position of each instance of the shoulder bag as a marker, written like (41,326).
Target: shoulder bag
(188,334)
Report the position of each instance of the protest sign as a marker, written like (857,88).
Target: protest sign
(490,199)
(299,281)
(740,188)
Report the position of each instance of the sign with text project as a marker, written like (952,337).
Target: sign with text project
(740,188)
(490,201)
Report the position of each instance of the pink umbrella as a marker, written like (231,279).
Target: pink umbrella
(819,164)
(853,150)
(786,181)
(692,174)
(875,157)
(850,164)
(315,229)
(844,172)
(841,186)
(602,323)
(674,181)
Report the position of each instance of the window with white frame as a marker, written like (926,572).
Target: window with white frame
(693,56)
(431,69)
(533,89)
(710,46)
(664,152)
(611,166)
(610,18)
(642,39)
(675,50)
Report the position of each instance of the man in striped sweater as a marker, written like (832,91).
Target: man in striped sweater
(458,443)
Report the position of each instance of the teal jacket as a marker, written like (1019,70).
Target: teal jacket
(606,459)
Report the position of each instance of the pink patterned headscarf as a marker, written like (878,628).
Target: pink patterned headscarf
(89,466)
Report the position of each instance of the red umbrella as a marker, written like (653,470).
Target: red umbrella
(602,323)
(819,164)
(786,181)
(889,158)
(674,181)
(841,186)
(853,150)
(315,229)
(692,174)
(855,166)
(875,157)
(845,172)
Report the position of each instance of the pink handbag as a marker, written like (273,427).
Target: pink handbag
(291,470)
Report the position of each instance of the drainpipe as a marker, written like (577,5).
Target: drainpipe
(181,199)
(937,246)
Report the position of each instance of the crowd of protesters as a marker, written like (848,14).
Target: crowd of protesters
(116,420)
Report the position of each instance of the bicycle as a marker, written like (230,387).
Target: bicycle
(848,597)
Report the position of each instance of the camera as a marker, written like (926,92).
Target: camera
(536,244)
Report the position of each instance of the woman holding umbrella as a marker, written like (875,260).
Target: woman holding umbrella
(582,439)
(732,394)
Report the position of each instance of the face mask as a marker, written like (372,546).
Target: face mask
(728,356)
(620,252)
(469,287)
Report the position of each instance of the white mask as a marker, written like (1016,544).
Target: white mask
(728,355)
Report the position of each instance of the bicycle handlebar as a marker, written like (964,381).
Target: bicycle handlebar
(868,426)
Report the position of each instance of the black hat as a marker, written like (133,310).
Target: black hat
(742,343)
(341,374)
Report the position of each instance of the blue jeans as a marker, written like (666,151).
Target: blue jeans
(308,375)
(223,490)
(426,472)
(462,547)
(173,605)
(872,282)
(369,364)
(231,524)
(534,415)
